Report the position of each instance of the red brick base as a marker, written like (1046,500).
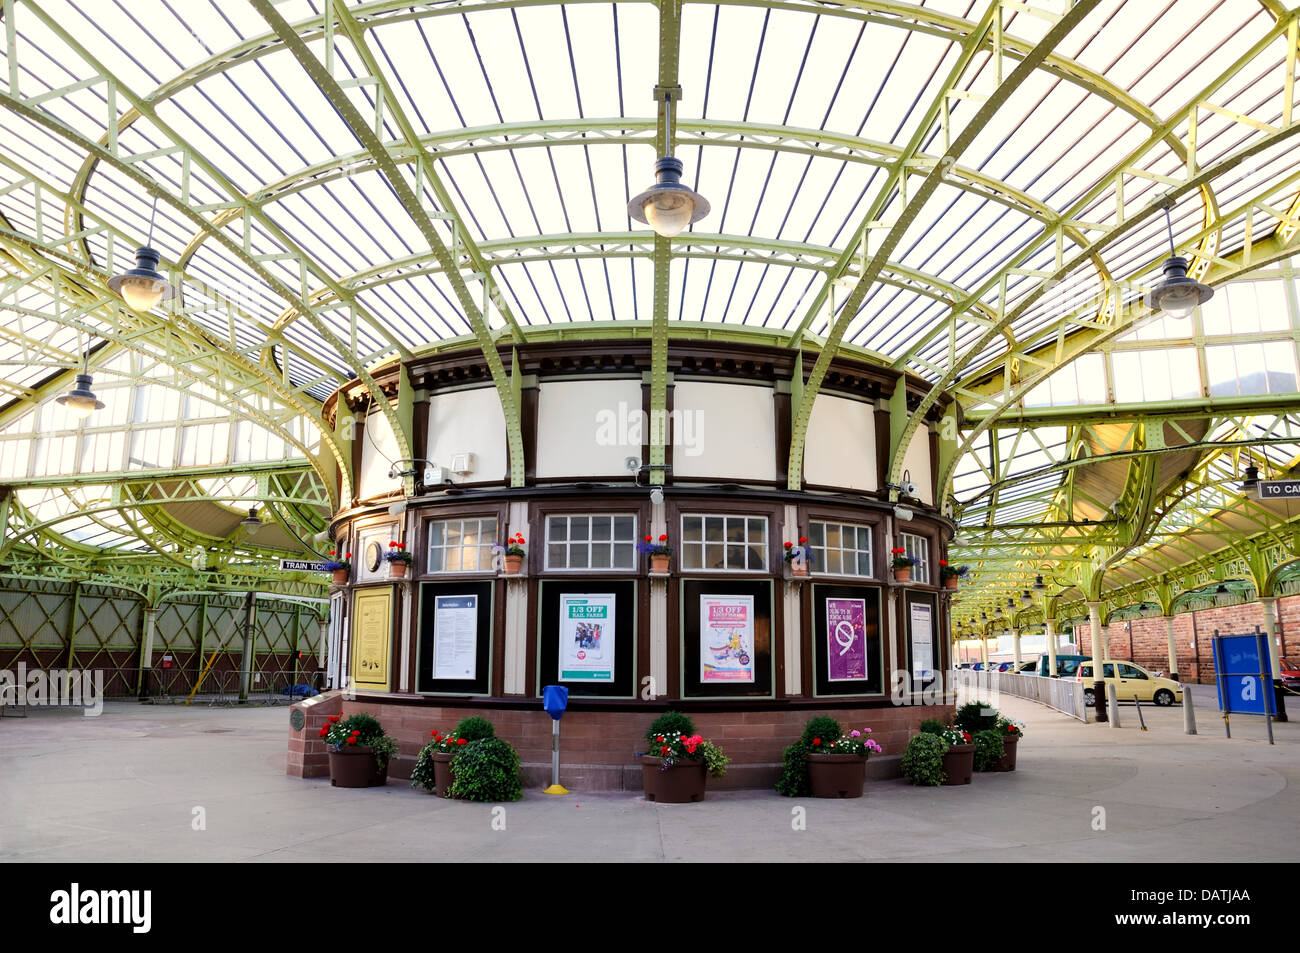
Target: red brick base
(597,748)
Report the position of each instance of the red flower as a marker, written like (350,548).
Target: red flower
(965,737)
(647,537)
(347,555)
(663,537)
(392,542)
(817,741)
(520,540)
(943,562)
(659,738)
(352,740)
(460,741)
(788,545)
(433,734)
(663,750)
(803,539)
(331,552)
(334,718)
(324,732)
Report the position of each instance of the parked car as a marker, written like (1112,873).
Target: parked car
(1066,665)
(1289,674)
(1132,681)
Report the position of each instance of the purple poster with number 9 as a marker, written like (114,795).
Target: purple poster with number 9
(846,639)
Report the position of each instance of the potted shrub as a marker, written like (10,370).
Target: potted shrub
(339,567)
(514,554)
(951,575)
(398,559)
(839,769)
(826,762)
(1011,732)
(975,716)
(988,749)
(658,550)
(902,564)
(359,751)
(798,557)
(673,770)
(923,759)
(958,756)
(485,769)
(433,768)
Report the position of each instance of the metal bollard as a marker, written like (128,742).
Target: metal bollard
(1189,712)
(1112,704)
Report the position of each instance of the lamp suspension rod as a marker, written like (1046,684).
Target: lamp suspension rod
(668,123)
(1170,227)
(152,215)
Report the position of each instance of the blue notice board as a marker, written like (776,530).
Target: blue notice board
(1244,674)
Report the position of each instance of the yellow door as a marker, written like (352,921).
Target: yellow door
(1133,682)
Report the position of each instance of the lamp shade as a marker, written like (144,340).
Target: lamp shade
(81,401)
(668,206)
(1176,294)
(143,287)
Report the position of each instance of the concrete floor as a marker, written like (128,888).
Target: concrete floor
(127,786)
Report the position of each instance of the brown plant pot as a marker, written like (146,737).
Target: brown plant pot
(514,564)
(340,577)
(950,582)
(959,764)
(837,775)
(355,767)
(442,772)
(659,563)
(682,783)
(1008,760)
(397,569)
(796,570)
(903,575)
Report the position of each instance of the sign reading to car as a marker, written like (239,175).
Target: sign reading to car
(1278,489)
(303,565)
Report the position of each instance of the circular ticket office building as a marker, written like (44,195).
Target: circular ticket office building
(732,631)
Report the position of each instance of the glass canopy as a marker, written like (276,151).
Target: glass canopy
(975,192)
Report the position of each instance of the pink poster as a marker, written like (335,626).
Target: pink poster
(726,638)
(846,639)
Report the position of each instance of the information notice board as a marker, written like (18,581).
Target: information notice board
(454,638)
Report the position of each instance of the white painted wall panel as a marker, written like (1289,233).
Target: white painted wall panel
(469,420)
(917,462)
(725,431)
(840,447)
(587,428)
(378,451)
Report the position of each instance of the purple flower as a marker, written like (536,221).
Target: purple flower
(855,733)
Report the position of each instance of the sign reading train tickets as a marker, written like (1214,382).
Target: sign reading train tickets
(726,639)
(587,637)
(1278,489)
(302,565)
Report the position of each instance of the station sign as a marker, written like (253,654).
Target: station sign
(1278,489)
(303,565)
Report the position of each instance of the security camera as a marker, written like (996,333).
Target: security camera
(632,464)
(908,488)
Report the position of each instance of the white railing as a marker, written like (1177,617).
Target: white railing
(1063,694)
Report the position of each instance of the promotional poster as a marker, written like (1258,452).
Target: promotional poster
(846,639)
(726,639)
(587,637)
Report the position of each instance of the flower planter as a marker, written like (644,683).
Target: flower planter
(836,775)
(798,570)
(514,564)
(682,783)
(355,767)
(959,764)
(442,772)
(903,575)
(397,569)
(659,564)
(950,582)
(1008,760)
(340,577)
